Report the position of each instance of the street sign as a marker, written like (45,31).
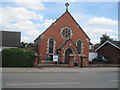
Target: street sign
(55,57)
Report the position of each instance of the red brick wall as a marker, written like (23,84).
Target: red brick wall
(54,31)
(110,52)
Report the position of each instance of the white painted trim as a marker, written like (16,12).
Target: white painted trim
(105,43)
(2,47)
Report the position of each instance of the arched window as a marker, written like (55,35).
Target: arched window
(79,46)
(51,45)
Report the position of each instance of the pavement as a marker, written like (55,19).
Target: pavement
(64,70)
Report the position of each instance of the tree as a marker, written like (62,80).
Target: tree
(26,45)
(105,38)
(30,45)
(23,45)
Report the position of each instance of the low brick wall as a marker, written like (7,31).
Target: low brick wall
(103,65)
(53,65)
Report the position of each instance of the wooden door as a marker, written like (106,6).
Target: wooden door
(67,53)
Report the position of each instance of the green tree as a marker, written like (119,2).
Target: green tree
(30,44)
(23,45)
(105,38)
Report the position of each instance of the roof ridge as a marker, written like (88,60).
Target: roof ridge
(65,43)
(109,43)
(61,45)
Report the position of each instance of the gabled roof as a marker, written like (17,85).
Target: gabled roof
(116,44)
(57,20)
(65,42)
(60,47)
(90,43)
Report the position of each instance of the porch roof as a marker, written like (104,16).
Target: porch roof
(66,41)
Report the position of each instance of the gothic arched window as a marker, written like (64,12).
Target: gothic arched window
(51,45)
(79,46)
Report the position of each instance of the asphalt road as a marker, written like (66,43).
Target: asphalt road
(60,80)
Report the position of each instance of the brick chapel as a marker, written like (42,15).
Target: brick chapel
(66,39)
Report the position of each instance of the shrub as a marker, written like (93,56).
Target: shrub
(17,58)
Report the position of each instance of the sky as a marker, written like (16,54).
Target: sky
(34,17)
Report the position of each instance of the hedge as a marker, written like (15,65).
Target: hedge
(18,58)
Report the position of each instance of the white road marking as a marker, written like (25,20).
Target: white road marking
(23,84)
(114,80)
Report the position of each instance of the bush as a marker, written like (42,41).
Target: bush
(17,58)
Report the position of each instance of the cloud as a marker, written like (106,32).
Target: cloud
(101,21)
(34,32)
(19,19)
(98,32)
(95,33)
(19,14)
(97,26)
(31,4)
(47,23)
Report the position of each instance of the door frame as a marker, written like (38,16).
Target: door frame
(73,52)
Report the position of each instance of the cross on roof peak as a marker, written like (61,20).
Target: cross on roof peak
(67,4)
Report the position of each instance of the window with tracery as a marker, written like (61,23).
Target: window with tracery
(66,32)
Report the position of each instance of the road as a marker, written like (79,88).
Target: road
(60,80)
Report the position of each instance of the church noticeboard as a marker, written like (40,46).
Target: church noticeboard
(55,57)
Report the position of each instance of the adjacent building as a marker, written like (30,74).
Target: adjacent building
(9,39)
(110,50)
